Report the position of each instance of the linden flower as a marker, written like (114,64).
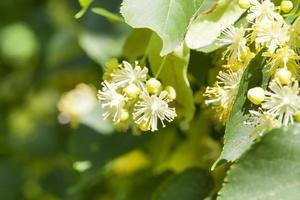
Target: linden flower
(112,101)
(222,96)
(283,102)
(235,38)
(262,12)
(151,108)
(76,103)
(262,123)
(128,75)
(272,34)
(284,57)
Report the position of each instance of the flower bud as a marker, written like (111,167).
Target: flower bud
(244,4)
(153,85)
(297,117)
(144,127)
(286,6)
(256,95)
(171,92)
(132,91)
(283,76)
(124,115)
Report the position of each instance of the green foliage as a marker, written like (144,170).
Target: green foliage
(47,48)
(207,27)
(172,70)
(191,184)
(237,134)
(168,18)
(269,170)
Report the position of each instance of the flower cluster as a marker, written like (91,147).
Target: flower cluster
(279,104)
(76,103)
(129,94)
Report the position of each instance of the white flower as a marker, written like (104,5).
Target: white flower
(222,96)
(112,101)
(151,108)
(282,101)
(286,58)
(262,12)
(235,38)
(272,34)
(128,75)
(76,103)
(262,122)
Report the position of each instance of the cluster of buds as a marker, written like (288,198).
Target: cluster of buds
(279,104)
(129,95)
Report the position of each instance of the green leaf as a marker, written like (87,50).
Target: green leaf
(101,47)
(207,27)
(172,70)
(192,184)
(236,138)
(137,43)
(295,34)
(168,18)
(270,170)
(107,14)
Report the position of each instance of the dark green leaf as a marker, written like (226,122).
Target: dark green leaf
(192,184)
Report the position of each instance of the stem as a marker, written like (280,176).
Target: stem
(161,66)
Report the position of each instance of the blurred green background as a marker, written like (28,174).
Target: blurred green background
(44,52)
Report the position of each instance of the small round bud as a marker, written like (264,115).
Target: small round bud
(256,95)
(153,85)
(132,91)
(143,127)
(286,6)
(297,117)
(171,92)
(124,115)
(244,4)
(283,76)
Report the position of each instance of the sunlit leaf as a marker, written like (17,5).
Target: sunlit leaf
(270,170)
(207,27)
(168,18)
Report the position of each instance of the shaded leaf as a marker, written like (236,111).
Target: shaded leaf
(172,70)
(192,184)
(137,43)
(88,146)
(270,170)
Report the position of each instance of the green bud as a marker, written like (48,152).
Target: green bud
(244,4)
(286,6)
